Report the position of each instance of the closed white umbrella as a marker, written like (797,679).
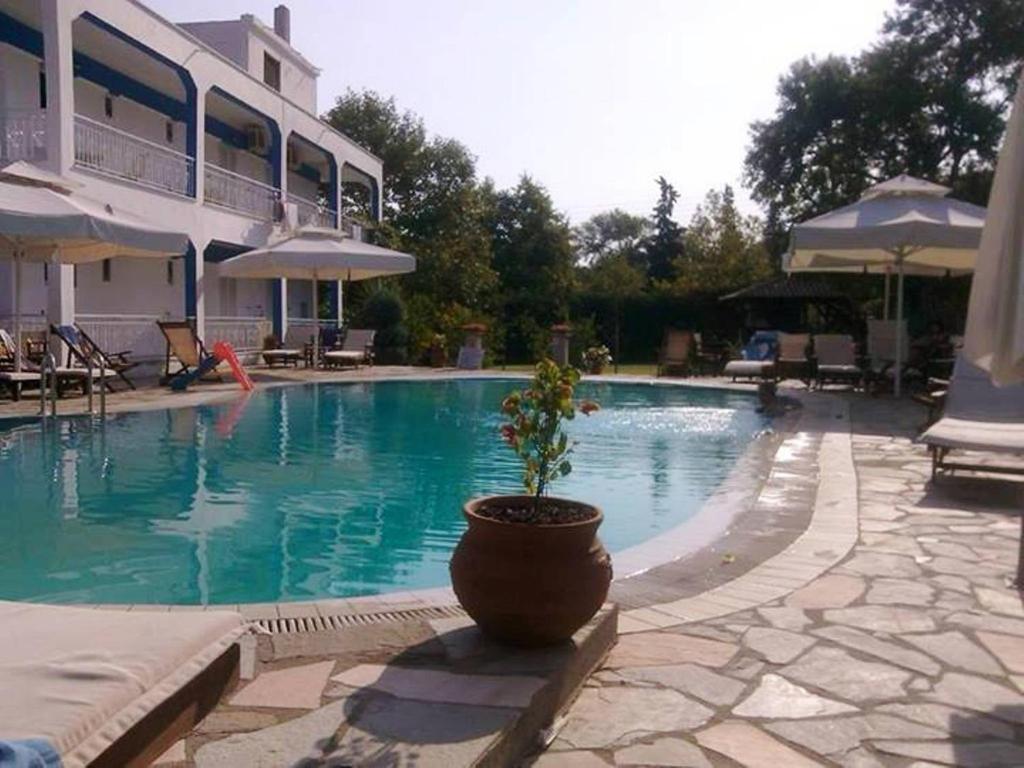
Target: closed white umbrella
(318,254)
(903,224)
(995,315)
(42,220)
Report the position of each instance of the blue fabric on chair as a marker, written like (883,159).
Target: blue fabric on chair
(763,345)
(28,753)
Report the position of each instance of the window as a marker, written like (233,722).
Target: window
(106,270)
(169,132)
(108,105)
(170,273)
(271,71)
(46,273)
(42,88)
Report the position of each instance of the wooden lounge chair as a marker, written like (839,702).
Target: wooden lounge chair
(758,361)
(275,354)
(711,355)
(794,361)
(30,373)
(675,353)
(82,350)
(836,358)
(978,416)
(185,346)
(111,687)
(356,349)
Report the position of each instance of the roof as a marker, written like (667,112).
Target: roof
(794,287)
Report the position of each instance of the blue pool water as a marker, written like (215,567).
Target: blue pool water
(321,491)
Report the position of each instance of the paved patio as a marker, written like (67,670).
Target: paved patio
(907,652)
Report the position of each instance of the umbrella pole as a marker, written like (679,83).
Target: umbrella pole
(17,311)
(897,381)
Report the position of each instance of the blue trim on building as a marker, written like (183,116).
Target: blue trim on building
(334,301)
(230,135)
(275,132)
(190,282)
(120,84)
(277,289)
(19,35)
(219,250)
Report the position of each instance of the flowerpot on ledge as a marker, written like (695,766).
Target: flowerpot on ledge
(530,584)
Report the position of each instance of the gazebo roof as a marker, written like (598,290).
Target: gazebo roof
(795,287)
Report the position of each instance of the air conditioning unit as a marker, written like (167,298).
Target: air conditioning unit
(256,139)
(293,158)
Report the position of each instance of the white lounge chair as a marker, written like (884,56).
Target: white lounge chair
(110,687)
(978,416)
(836,357)
(356,349)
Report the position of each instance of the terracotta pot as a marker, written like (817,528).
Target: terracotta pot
(530,585)
(438,357)
(595,368)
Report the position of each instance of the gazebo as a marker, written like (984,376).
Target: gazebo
(796,303)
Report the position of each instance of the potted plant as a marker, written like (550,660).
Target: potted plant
(530,569)
(596,359)
(438,351)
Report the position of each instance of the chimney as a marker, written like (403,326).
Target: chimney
(283,23)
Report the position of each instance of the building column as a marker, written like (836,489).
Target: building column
(60,300)
(60,93)
(195,294)
(199,147)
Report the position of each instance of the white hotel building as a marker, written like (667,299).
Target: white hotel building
(209,128)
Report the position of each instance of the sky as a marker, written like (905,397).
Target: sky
(593,98)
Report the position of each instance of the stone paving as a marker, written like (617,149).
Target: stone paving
(908,651)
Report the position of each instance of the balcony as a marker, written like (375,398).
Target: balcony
(354,228)
(23,134)
(226,189)
(313,214)
(115,153)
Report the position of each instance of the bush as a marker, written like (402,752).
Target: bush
(384,311)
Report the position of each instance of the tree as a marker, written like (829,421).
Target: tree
(615,279)
(612,232)
(724,249)
(929,99)
(434,208)
(664,247)
(534,259)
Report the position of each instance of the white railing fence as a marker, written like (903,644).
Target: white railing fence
(245,334)
(313,214)
(108,150)
(137,334)
(22,134)
(240,193)
(301,330)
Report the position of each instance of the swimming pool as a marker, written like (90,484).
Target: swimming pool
(327,490)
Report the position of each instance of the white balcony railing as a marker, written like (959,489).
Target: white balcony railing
(245,334)
(240,193)
(113,152)
(22,134)
(313,214)
(137,334)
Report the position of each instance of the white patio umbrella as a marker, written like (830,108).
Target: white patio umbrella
(318,254)
(41,219)
(994,338)
(903,224)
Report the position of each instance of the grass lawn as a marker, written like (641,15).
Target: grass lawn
(634,369)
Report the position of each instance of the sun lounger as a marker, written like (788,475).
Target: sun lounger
(278,354)
(836,358)
(758,361)
(83,353)
(15,381)
(356,349)
(107,687)
(185,346)
(978,416)
(675,353)
(793,361)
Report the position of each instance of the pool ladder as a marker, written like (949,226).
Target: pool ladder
(48,385)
